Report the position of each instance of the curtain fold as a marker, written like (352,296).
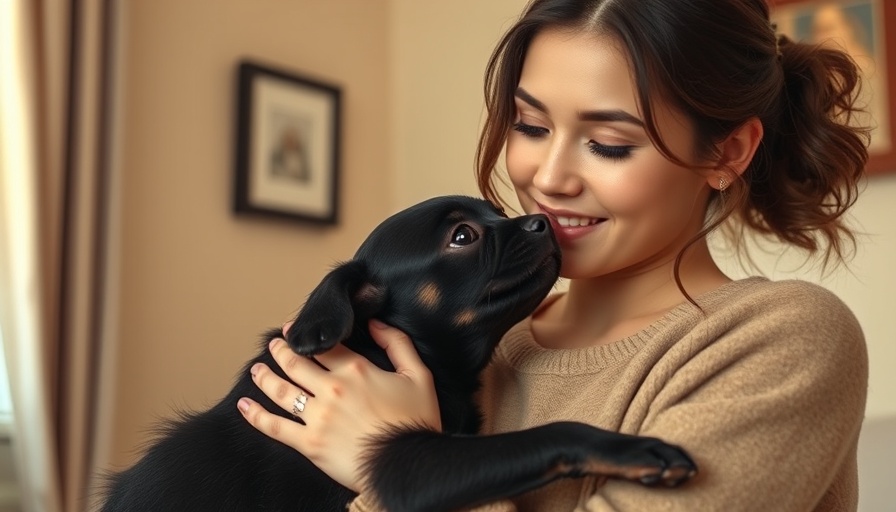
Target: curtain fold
(21,287)
(55,175)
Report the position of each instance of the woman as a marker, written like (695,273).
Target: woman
(637,127)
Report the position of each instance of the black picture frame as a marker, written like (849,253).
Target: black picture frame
(287,145)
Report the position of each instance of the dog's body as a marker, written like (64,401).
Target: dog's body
(455,275)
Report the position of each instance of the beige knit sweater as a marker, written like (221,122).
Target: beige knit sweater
(765,389)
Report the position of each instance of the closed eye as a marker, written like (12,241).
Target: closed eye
(529,130)
(610,152)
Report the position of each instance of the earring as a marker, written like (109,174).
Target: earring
(723,184)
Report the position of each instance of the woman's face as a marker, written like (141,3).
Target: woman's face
(579,153)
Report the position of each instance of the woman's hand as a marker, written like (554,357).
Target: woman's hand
(349,400)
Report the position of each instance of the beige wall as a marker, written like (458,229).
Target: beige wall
(440,50)
(197,285)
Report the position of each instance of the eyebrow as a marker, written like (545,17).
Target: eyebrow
(587,115)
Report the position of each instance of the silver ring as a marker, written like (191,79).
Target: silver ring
(298,405)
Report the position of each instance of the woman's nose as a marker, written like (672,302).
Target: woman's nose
(557,173)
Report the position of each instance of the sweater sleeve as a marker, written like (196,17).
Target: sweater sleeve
(770,410)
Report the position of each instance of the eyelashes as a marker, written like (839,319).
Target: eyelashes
(601,150)
(610,152)
(529,130)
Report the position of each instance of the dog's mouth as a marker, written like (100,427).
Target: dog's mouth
(524,284)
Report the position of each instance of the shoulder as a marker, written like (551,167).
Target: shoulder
(787,305)
(794,323)
(793,343)
(762,290)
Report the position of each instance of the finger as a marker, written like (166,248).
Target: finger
(399,348)
(270,424)
(285,328)
(281,391)
(302,370)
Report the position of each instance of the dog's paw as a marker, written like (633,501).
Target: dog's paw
(675,466)
(646,460)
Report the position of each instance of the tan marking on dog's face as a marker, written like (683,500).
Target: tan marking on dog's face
(465,318)
(429,296)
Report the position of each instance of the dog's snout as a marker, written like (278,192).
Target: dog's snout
(535,224)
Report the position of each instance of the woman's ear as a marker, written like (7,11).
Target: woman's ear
(735,153)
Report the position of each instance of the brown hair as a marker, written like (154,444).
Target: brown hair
(721,63)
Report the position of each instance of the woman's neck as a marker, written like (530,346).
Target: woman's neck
(608,308)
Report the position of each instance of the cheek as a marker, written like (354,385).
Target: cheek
(663,190)
(521,162)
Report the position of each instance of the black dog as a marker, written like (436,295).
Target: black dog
(454,274)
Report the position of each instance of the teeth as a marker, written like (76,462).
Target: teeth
(573,222)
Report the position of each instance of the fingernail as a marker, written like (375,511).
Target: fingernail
(243,405)
(274,342)
(378,324)
(254,369)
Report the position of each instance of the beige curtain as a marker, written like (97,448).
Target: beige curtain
(20,292)
(55,181)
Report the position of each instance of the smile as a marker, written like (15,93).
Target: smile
(573,222)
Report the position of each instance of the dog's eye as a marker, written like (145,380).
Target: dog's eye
(463,235)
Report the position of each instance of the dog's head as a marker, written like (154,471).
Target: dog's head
(454,273)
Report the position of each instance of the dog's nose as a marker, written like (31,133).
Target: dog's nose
(535,224)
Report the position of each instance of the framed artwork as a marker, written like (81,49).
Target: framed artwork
(287,145)
(860,28)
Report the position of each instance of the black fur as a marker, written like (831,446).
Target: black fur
(454,274)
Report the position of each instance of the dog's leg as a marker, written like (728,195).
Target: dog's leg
(416,470)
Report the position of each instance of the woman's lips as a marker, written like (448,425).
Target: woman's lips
(568,225)
(574,222)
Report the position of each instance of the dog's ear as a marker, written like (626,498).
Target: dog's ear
(346,295)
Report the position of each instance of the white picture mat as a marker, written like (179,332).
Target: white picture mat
(275,104)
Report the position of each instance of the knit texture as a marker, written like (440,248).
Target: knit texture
(765,388)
